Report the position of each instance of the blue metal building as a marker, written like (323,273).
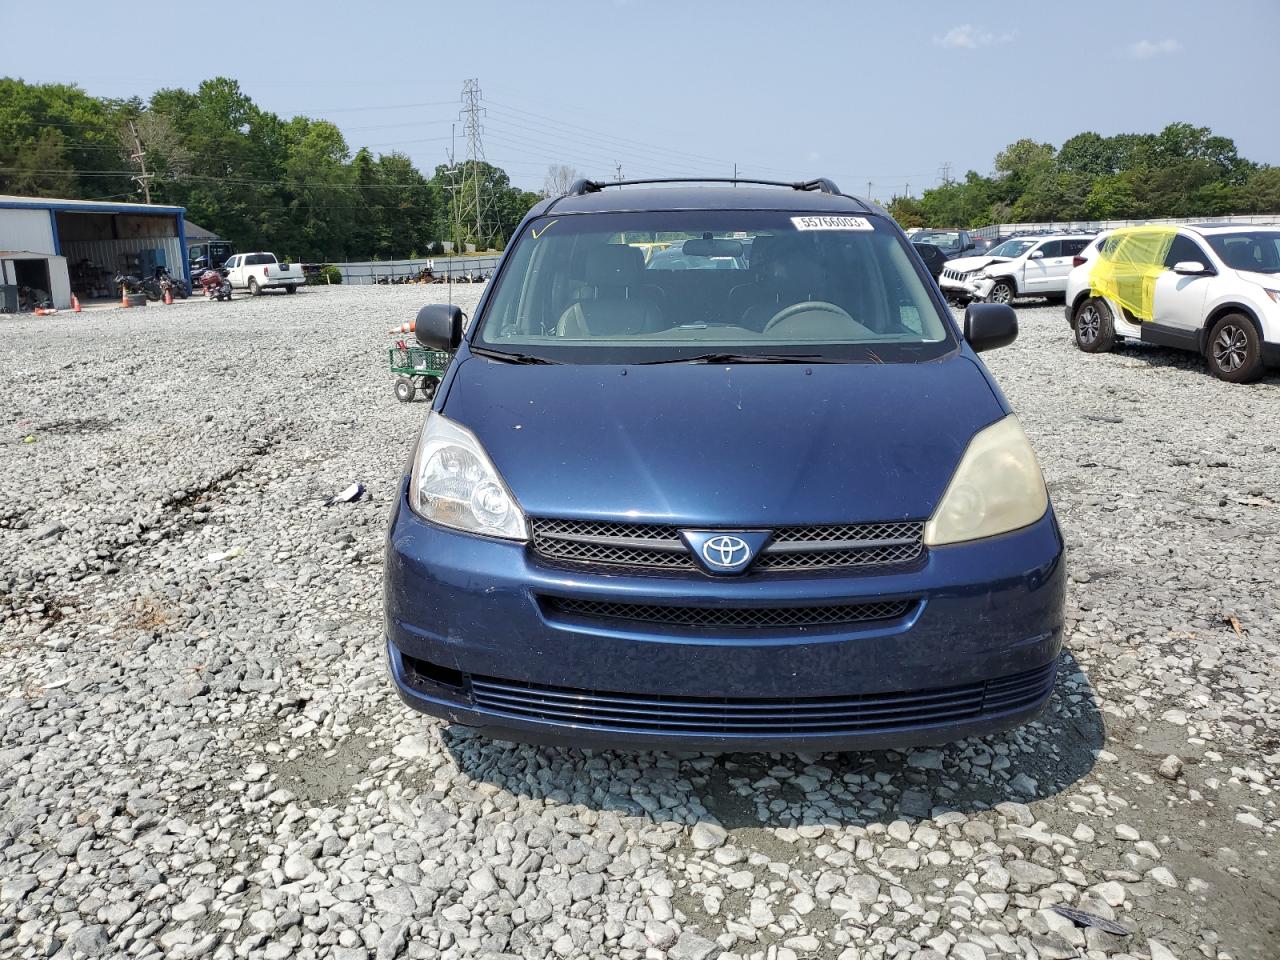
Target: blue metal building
(78,245)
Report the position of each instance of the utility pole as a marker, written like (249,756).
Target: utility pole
(945,172)
(868,189)
(143,179)
(618,172)
(454,188)
(735,173)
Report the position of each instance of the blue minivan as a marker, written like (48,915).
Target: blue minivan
(778,504)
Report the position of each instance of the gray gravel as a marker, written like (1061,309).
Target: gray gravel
(200,754)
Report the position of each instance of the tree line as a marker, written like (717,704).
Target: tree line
(1182,171)
(251,176)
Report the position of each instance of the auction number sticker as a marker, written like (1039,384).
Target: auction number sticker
(831,223)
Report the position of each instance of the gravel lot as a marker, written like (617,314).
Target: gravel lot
(200,754)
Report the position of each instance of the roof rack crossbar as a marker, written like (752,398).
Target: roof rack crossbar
(821,184)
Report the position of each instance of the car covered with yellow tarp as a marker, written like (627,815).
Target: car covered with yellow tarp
(1213,290)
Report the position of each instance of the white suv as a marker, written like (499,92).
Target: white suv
(1019,267)
(1212,290)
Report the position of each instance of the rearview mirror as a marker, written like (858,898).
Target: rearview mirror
(439,326)
(1190,268)
(990,325)
(1036,255)
(706,247)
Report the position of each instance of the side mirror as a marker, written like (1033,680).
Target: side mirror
(439,326)
(990,325)
(1190,268)
(1036,255)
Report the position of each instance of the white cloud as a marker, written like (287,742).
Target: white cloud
(1146,49)
(968,37)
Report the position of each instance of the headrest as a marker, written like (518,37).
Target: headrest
(763,249)
(613,265)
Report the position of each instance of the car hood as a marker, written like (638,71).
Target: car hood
(965,264)
(715,445)
(1268,281)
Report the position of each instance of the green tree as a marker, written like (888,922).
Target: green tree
(1261,192)
(908,211)
(40,167)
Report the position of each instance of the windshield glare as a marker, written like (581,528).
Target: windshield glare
(655,286)
(1257,251)
(1011,248)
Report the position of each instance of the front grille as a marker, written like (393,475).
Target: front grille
(615,544)
(765,717)
(729,618)
(658,546)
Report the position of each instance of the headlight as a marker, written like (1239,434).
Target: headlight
(455,484)
(1273,294)
(996,488)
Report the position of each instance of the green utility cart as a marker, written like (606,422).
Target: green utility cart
(417,368)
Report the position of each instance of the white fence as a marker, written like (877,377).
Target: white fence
(1007,229)
(388,271)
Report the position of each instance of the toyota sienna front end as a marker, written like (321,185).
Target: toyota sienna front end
(759,494)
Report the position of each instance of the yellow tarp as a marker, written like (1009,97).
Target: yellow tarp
(1127,266)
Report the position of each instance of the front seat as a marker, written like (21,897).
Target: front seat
(613,305)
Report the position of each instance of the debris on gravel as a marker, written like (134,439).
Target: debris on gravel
(200,755)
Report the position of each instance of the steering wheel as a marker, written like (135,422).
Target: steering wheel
(807,306)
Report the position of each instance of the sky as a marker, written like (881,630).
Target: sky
(884,94)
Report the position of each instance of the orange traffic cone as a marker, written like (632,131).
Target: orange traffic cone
(75,304)
(124,297)
(403,328)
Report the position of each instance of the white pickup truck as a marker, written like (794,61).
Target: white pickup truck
(256,272)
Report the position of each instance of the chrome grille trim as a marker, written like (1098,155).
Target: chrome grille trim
(659,546)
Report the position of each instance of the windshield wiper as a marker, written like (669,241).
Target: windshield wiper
(747,358)
(511,357)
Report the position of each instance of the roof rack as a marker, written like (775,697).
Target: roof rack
(822,184)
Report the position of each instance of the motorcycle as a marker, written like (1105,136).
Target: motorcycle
(215,284)
(168,284)
(150,287)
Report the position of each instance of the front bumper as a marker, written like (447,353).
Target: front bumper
(472,639)
(971,289)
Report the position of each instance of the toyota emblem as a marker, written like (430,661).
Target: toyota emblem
(726,552)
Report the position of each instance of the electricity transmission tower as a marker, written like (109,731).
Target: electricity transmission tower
(475,200)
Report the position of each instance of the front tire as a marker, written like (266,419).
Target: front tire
(1095,331)
(254,289)
(1234,351)
(1001,292)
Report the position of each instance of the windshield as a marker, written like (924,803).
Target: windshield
(1011,248)
(1257,251)
(577,289)
(947,241)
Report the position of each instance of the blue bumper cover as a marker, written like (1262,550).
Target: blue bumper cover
(473,638)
